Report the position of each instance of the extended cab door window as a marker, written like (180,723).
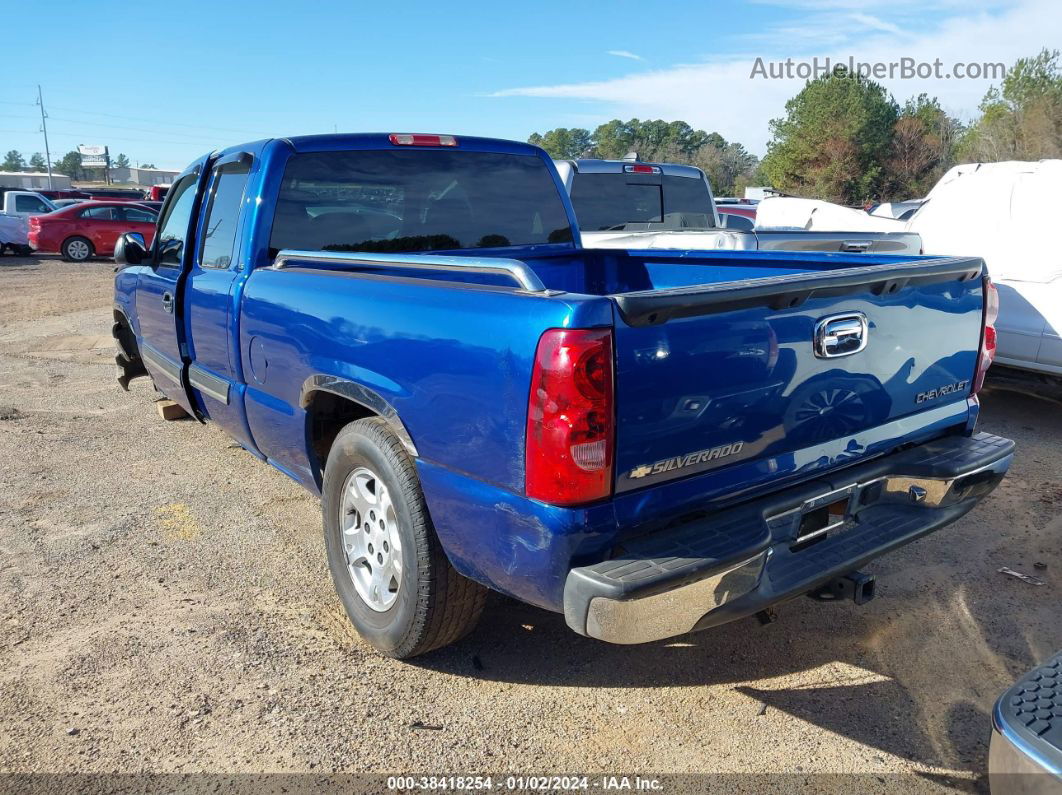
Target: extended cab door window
(223,214)
(173,227)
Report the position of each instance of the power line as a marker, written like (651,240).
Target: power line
(134,129)
(166,124)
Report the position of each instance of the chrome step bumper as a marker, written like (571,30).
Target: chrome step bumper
(731,564)
(1025,755)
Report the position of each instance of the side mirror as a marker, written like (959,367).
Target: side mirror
(169,252)
(130,249)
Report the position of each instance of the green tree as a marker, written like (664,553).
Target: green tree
(658,141)
(36,162)
(923,147)
(13,161)
(121,161)
(726,165)
(833,141)
(70,165)
(148,165)
(1021,119)
(563,143)
(654,140)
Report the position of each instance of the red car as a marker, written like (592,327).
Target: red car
(737,215)
(89,229)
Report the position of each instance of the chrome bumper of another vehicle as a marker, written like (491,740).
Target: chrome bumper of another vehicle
(1025,755)
(739,561)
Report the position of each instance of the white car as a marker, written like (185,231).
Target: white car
(1007,213)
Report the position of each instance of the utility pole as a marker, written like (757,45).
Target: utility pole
(44,129)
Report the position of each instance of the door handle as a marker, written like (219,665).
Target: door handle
(856,246)
(167,302)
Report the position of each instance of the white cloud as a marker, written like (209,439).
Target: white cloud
(719,95)
(625,54)
(874,23)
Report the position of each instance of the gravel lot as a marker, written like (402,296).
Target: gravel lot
(165,606)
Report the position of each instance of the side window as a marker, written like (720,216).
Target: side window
(134,214)
(173,228)
(222,215)
(734,221)
(99,214)
(30,204)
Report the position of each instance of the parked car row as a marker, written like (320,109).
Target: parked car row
(154,193)
(89,229)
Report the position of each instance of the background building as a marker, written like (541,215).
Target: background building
(143,176)
(33,180)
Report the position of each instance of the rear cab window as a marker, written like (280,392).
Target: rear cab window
(416,200)
(30,204)
(620,201)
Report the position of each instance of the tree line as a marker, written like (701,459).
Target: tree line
(69,164)
(728,164)
(844,138)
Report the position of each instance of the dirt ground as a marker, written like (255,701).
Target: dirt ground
(165,607)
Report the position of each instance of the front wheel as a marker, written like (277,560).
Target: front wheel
(390,571)
(76,249)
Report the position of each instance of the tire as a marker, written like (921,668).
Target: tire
(77,249)
(394,580)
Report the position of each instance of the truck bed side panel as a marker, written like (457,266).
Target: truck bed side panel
(453,362)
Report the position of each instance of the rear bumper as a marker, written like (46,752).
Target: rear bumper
(1025,755)
(713,569)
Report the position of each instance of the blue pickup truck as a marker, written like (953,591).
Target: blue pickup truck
(649,442)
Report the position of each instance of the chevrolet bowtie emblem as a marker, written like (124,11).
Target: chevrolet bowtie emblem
(641,472)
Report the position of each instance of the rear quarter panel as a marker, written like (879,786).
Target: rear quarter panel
(454,362)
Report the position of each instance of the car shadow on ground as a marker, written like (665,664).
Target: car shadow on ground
(853,681)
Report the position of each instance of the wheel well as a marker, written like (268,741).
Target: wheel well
(68,238)
(123,333)
(326,415)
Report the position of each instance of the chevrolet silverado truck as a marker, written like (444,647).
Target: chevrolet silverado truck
(635,205)
(648,442)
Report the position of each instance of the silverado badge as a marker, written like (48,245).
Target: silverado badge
(679,462)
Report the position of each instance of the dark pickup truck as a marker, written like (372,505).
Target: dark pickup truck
(649,442)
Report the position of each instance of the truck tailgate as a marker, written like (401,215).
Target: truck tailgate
(771,368)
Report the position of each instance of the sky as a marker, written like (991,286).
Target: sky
(164,82)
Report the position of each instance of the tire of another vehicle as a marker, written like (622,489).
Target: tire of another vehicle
(433,605)
(77,249)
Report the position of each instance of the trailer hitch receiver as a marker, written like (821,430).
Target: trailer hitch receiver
(856,585)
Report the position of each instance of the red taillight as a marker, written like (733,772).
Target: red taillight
(988,335)
(640,169)
(34,222)
(570,426)
(420,139)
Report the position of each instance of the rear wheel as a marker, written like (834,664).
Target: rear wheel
(76,249)
(391,573)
